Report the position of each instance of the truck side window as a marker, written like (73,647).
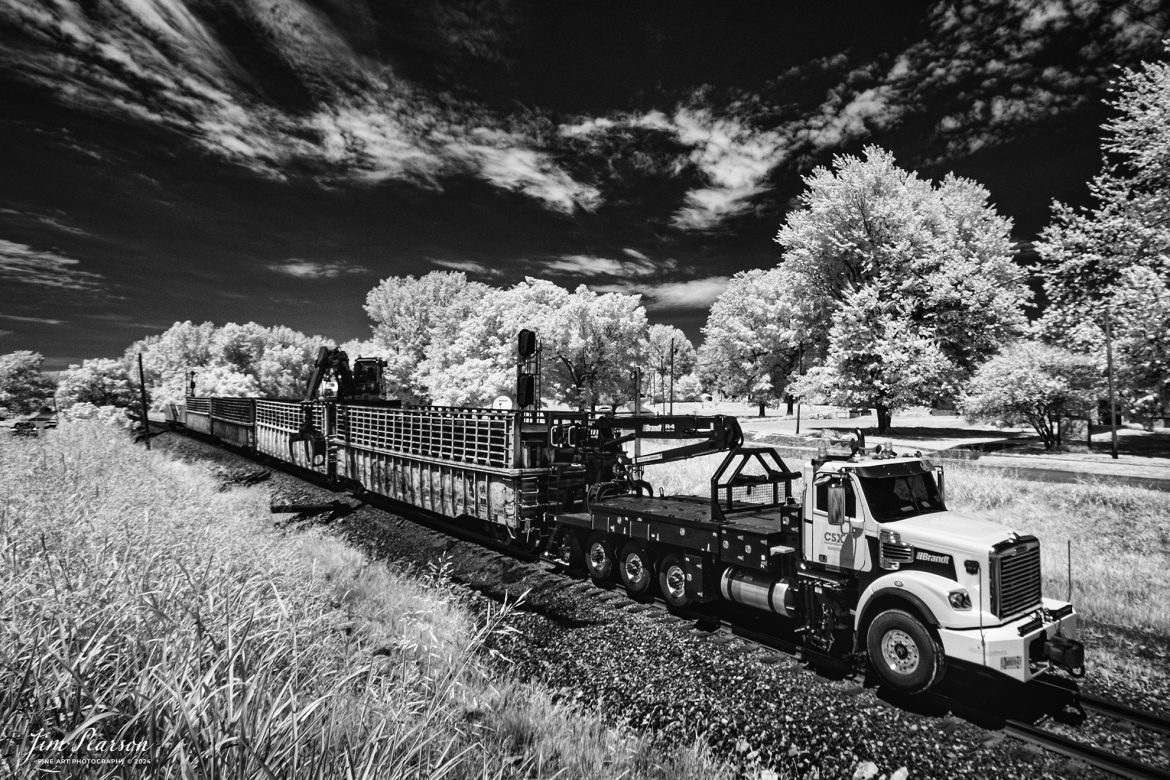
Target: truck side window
(823,498)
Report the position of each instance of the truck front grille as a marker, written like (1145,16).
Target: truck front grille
(1015,578)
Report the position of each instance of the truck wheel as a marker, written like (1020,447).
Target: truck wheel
(636,569)
(599,560)
(903,652)
(672,581)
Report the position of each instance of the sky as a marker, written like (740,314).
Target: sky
(273,160)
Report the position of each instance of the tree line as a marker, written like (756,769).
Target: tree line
(891,291)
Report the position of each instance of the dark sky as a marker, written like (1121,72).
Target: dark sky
(272,160)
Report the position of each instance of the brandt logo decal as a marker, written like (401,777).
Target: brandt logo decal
(933,558)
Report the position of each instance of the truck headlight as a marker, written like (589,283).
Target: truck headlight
(959,599)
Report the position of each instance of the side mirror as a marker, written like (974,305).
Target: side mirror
(942,485)
(836,506)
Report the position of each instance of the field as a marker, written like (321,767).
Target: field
(153,623)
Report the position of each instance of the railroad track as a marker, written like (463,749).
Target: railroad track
(723,630)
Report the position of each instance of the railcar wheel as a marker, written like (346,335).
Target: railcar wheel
(903,652)
(636,568)
(672,581)
(599,560)
(575,550)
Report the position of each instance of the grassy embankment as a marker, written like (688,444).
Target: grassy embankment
(138,600)
(1120,534)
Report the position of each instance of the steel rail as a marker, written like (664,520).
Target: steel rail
(1090,754)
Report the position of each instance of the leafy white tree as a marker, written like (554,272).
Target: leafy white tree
(926,270)
(24,387)
(876,358)
(415,316)
(225,380)
(1115,255)
(1035,384)
(1141,333)
(98,381)
(589,345)
(663,343)
(167,357)
(750,342)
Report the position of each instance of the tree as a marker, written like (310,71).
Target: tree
(1036,384)
(167,357)
(876,358)
(1115,254)
(589,344)
(750,344)
(233,360)
(670,354)
(883,269)
(413,316)
(24,388)
(98,381)
(1141,340)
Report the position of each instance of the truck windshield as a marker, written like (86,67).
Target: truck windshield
(893,498)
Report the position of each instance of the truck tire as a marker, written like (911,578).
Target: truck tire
(636,569)
(672,581)
(903,652)
(599,560)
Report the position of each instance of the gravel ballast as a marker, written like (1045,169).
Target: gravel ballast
(763,711)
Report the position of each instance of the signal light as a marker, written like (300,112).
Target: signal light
(525,390)
(526,344)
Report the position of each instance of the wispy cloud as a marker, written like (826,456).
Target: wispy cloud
(54,222)
(691,294)
(34,320)
(305,269)
(21,264)
(161,64)
(468,267)
(733,155)
(592,265)
(4,333)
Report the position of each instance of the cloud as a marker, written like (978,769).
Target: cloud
(592,265)
(4,333)
(468,267)
(305,269)
(43,219)
(634,253)
(161,64)
(21,264)
(692,294)
(35,320)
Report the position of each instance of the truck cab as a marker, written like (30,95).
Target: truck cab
(931,583)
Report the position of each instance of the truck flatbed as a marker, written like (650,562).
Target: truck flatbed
(748,538)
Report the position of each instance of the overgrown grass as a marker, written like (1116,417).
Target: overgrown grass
(142,606)
(1120,534)
(1120,538)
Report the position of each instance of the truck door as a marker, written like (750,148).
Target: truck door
(842,546)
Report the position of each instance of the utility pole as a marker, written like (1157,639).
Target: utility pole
(1112,397)
(799,372)
(672,376)
(145,413)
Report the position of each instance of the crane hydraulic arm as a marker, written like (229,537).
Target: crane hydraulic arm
(717,433)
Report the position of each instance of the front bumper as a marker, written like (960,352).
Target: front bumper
(1024,648)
